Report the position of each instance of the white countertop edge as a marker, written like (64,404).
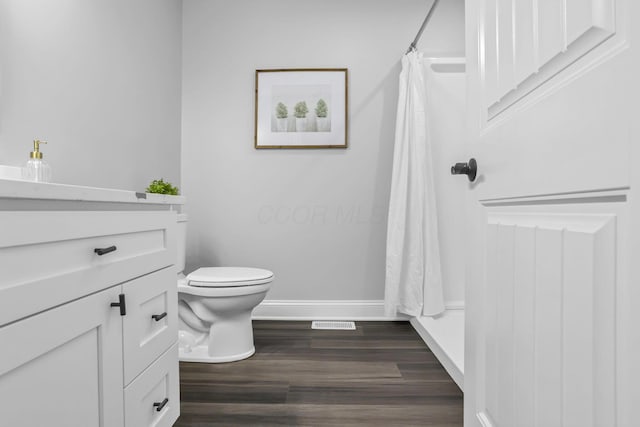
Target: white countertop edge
(15,189)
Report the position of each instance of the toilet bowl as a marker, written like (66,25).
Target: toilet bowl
(214,309)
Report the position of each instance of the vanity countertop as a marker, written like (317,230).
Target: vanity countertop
(27,190)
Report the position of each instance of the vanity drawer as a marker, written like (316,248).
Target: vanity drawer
(48,257)
(150,326)
(153,399)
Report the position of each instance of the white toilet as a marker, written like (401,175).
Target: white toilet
(215,305)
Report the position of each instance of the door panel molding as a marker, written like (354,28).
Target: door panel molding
(550,317)
(612,195)
(526,43)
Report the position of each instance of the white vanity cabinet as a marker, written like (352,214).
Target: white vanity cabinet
(88,307)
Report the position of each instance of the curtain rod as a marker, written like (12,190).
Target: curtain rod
(414,44)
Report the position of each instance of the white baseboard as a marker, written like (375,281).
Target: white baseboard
(330,310)
(322,310)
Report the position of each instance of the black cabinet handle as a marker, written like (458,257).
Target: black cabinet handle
(121,304)
(158,317)
(160,405)
(104,251)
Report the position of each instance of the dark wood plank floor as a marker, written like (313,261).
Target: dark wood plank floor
(381,374)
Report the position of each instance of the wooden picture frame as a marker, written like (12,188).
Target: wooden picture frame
(301,108)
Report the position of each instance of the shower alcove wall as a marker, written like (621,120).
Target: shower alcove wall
(446,116)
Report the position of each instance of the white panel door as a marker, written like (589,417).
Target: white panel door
(550,328)
(64,376)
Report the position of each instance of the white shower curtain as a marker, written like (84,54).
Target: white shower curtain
(413,282)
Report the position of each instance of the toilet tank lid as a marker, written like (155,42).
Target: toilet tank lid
(229,276)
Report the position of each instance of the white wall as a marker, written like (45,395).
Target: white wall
(317,218)
(100,81)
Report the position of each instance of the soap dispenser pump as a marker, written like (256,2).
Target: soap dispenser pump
(37,169)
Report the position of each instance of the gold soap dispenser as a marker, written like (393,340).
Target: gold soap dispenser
(37,169)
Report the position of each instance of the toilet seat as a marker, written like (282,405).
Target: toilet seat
(228,277)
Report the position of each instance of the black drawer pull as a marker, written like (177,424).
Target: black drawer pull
(104,251)
(158,317)
(160,405)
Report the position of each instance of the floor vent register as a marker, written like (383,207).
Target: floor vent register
(323,324)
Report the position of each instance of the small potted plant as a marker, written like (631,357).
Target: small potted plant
(281,117)
(322,121)
(300,111)
(159,186)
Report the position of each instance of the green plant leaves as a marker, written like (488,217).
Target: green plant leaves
(281,111)
(301,110)
(321,108)
(158,186)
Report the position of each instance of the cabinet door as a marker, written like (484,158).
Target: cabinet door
(151,324)
(63,367)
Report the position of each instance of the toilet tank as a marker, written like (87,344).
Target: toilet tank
(182,241)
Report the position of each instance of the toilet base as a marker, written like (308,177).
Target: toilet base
(201,354)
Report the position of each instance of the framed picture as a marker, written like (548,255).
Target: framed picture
(301,108)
